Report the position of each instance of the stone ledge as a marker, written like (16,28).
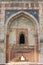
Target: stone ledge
(22,63)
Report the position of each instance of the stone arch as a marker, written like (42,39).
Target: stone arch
(29,16)
(25,14)
(22,13)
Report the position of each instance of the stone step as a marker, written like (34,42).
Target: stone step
(22,63)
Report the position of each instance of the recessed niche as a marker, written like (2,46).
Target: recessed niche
(22,39)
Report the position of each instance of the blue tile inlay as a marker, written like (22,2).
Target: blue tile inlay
(32,12)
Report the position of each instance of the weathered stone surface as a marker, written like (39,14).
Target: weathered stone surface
(6,5)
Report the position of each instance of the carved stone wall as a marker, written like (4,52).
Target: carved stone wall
(16,5)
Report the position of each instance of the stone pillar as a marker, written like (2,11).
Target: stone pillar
(7,48)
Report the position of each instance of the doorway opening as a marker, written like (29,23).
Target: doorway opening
(22,39)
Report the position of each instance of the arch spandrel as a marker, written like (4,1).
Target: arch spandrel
(24,14)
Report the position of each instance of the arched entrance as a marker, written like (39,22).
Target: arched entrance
(22,37)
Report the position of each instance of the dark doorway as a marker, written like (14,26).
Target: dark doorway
(22,39)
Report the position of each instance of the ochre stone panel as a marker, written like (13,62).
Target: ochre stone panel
(28,57)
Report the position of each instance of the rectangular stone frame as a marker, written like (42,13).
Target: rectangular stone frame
(25,32)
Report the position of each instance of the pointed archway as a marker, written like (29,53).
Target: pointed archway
(22,37)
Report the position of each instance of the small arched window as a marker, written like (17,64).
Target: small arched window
(22,39)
